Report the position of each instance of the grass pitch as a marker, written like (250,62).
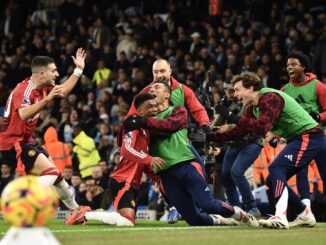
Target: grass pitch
(155,232)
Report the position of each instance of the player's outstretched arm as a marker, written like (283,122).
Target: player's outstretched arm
(79,61)
(29,112)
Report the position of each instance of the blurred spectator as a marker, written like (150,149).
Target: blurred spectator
(8,24)
(67,174)
(99,178)
(85,150)
(101,34)
(58,151)
(65,126)
(39,16)
(6,176)
(101,75)
(92,196)
(319,58)
(76,180)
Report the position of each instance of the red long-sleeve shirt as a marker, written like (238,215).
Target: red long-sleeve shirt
(196,109)
(270,106)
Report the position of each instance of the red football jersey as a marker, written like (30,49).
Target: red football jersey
(13,128)
(134,158)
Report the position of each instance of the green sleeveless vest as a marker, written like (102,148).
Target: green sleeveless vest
(306,96)
(177,96)
(292,120)
(172,148)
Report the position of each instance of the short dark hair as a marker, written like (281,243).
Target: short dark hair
(41,61)
(303,59)
(166,85)
(249,79)
(141,98)
(76,173)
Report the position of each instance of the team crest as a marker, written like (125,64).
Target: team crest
(133,203)
(31,153)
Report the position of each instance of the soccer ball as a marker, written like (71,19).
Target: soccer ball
(25,202)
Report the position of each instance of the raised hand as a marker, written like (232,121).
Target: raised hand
(79,60)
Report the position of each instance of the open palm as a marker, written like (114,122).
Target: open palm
(79,60)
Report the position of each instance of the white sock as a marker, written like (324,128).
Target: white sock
(306,202)
(237,213)
(48,180)
(66,194)
(282,204)
(110,218)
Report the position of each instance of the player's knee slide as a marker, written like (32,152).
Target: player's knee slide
(55,172)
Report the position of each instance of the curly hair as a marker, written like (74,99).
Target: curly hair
(303,59)
(249,79)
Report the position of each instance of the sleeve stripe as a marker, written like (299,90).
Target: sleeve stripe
(28,91)
(132,150)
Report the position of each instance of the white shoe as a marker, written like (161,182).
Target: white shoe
(277,222)
(246,218)
(220,220)
(306,219)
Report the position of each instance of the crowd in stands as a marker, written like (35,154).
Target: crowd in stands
(122,41)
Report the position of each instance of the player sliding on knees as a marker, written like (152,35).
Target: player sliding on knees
(126,178)
(29,97)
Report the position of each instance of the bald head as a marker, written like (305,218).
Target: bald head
(162,71)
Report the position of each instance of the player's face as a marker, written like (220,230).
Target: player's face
(51,74)
(245,95)
(160,92)
(161,71)
(295,69)
(148,109)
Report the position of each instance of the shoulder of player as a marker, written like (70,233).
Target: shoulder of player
(24,87)
(270,97)
(179,108)
(137,133)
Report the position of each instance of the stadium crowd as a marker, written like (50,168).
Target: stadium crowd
(122,40)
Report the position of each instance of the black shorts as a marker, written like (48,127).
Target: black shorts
(28,156)
(122,196)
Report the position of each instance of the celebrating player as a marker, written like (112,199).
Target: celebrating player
(21,114)
(135,160)
(182,176)
(272,110)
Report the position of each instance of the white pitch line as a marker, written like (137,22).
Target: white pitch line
(115,229)
(143,229)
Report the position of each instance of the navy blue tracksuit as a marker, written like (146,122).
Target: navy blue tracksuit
(298,153)
(188,191)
